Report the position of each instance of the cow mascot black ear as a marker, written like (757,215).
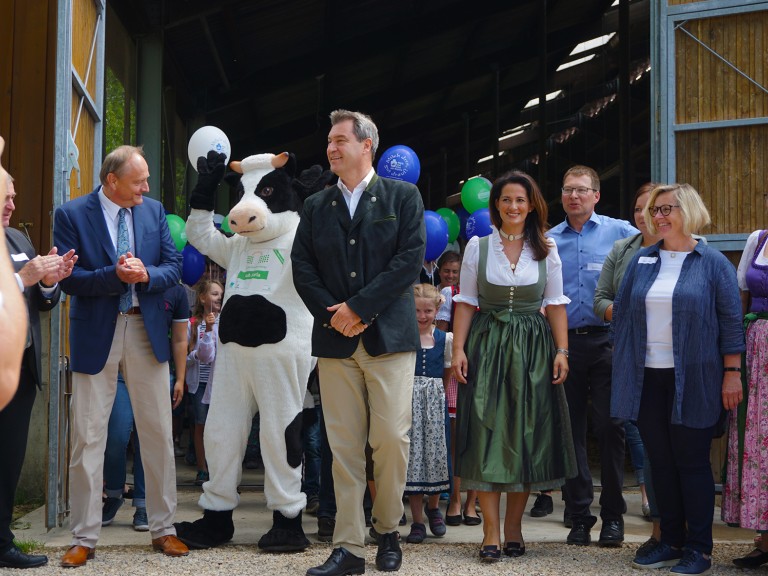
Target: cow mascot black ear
(312,180)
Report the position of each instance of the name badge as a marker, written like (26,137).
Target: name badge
(647,259)
(19,257)
(595,266)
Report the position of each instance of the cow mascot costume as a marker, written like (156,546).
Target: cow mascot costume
(263,358)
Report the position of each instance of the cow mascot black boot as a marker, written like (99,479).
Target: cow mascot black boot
(263,357)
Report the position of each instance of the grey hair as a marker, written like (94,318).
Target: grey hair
(362,126)
(117,159)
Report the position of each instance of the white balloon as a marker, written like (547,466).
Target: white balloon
(205,139)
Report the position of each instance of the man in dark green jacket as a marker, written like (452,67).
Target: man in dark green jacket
(358,250)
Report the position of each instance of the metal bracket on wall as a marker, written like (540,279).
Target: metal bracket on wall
(72,155)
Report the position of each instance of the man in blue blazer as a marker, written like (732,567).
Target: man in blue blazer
(127,260)
(358,250)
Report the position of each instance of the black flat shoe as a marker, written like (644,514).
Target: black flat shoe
(472,520)
(490,553)
(514,549)
(454,520)
(752,560)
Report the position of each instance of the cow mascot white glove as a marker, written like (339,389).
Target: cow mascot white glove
(263,359)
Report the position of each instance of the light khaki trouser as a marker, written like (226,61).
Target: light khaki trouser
(367,399)
(92,399)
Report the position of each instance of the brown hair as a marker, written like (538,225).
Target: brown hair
(447,257)
(646,188)
(201,289)
(115,160)
(535,222)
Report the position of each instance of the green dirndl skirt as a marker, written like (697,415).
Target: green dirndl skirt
(513,428)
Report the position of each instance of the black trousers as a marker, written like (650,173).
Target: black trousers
(590,363)
(682,473)
(14,429)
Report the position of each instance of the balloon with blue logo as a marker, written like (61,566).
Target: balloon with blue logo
(479,223)
(437,234)
(192,265)
(205,139)
(399,163)
(462,213)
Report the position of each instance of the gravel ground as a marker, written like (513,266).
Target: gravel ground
(419,560)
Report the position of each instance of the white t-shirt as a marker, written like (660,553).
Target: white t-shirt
(658,311)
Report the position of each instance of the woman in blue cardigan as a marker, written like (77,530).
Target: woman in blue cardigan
(677,344)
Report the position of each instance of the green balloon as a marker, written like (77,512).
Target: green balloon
(452,219)
(475,194)
(177,227)
(225,225)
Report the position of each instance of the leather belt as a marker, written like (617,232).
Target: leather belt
(589,330)
(132,311)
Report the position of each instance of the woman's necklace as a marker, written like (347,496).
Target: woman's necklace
(511,237)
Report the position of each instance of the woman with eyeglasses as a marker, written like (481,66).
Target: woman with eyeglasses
(677,343)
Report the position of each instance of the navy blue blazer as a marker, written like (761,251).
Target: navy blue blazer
(19,244)
(370,262)
(94,286)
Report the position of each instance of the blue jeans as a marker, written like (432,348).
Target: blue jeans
(310,483)
(118,434)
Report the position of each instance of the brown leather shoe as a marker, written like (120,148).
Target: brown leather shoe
(170,546)
(77,556)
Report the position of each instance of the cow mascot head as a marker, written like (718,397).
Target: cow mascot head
(263,356)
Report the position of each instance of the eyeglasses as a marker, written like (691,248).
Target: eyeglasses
(665,209)
(579,191)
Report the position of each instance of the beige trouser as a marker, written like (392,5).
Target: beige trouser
(92,399)
(367,398)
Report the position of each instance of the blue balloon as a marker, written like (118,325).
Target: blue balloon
(399,163)
(192,266)
(437,234)
(479,223)
(462,213)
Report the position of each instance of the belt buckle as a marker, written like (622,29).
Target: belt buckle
(581,331)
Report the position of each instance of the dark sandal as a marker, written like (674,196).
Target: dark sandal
(490,553)
(514,549)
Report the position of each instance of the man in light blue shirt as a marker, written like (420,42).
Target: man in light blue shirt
(583,241)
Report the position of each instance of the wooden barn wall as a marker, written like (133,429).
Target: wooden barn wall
(729,168)
(27,100)
(726,165)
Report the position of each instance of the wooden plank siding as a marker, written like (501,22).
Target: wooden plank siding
(707,89)
(27,105)
(729,168)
